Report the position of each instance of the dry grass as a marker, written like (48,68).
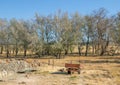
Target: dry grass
(115,72)
(99,70)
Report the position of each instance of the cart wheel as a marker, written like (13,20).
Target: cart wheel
(69,72)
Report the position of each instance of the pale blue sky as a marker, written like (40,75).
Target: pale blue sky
(25,9)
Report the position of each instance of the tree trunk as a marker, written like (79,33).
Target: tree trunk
(79,50)
(1,51)
(59,54)
(104,47)
(102,51)
(7,53)
(25,50)
(66,51)
(87,44)
(93,50)
(16,52)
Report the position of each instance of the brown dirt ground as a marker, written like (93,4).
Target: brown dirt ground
(95,71)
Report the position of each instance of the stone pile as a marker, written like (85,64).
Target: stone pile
(11,67)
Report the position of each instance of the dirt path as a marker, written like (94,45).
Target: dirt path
(90,77)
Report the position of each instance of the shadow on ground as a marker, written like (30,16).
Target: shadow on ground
(63,73)
(100,61)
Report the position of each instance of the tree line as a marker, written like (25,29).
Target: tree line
(97,34)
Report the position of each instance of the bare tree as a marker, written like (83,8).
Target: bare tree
(115,30)
(77,24)
(2,34)
(102,28)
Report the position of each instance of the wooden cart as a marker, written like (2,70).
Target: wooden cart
(71,68)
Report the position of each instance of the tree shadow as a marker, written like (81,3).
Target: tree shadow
(60,73)
(110,58)
(99,61)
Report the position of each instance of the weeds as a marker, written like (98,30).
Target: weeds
(73,77)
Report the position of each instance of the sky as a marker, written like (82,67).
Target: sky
(26,9)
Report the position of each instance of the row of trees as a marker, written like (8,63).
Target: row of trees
(60,33)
